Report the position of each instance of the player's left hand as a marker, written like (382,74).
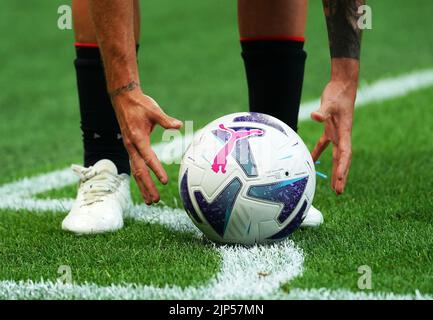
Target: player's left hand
(336,112)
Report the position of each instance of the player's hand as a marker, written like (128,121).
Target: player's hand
(137,115)
(336,112)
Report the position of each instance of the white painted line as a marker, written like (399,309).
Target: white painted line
(41,183)
(35,205)
(19,195)
(341,294)
(174,219)
(50,290)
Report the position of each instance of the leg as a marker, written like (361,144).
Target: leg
(272,39)
(101,132)
(101,137)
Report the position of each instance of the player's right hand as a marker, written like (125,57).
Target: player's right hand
(137,115)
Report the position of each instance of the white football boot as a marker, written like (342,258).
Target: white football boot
(103,199)
(313,219)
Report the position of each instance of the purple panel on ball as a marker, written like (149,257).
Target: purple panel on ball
(292,226)
(186,199)
(217,212)
(260,118)
(288,192)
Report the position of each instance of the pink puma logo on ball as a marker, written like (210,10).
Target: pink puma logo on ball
(220,160)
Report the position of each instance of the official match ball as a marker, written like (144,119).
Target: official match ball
(247,178)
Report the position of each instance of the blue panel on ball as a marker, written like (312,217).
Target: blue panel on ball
(218,212)
(187,203)
(245,158)
(260,118)
(292,226)
(288,192)
(223,136)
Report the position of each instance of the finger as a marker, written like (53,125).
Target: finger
(146,185)
(166,121)
(143,191)
(160,117)
(321,145)
(344,157)
(321,114)
(135,164)
(342,172)
(144,181)
(150,185)
(334,166)
(318,116)
(151,160)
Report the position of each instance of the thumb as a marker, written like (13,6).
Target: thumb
(162,118)
(321,114)
(168,122)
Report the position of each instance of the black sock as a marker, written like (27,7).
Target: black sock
(101,132)
(275,73)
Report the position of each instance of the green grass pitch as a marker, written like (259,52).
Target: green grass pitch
(191,64)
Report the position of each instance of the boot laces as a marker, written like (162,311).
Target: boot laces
(95,186)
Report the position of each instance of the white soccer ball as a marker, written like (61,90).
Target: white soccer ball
(247,178)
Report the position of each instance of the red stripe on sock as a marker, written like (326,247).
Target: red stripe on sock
(274,38)
(87,45)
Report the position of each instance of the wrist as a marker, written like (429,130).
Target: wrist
(345,70)
(125,89)
(126,96)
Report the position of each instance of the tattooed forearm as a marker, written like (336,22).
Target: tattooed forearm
(343,31)
(126,88)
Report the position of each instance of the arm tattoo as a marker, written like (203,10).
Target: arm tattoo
(126,88)
(343,31)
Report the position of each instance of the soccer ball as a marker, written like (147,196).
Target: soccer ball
(247,178)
